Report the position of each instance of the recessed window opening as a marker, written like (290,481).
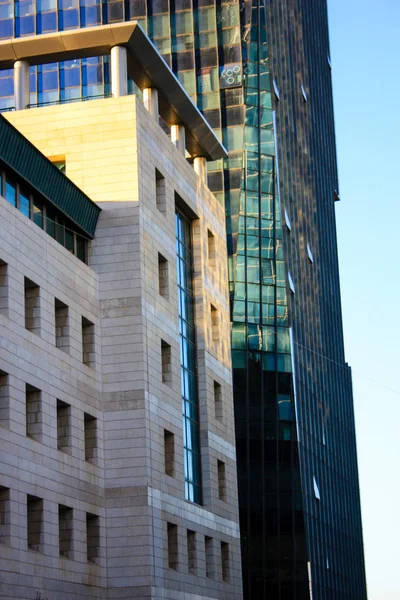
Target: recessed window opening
(4,289)
(211,248)
(161,196)
(221,480)
(169,452)
(209,550)
(214,323)
(35,522)
(62,325)
(218,401)
(191,548)
(166,365)
(63,426)
(65,521)
(32,306)
(88,348)
(34,413)
(5,515)
(91,437)
(172,535)
(225,561)
(163,280)
(4,399)
(92,537)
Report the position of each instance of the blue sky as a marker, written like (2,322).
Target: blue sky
(365,49)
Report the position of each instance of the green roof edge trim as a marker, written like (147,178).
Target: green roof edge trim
(20,155)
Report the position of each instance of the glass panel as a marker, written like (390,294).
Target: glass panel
(38,213)
(11,192)
(24,204)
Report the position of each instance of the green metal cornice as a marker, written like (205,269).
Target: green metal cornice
(22,157)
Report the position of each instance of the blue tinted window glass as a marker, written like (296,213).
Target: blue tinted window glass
(11,192)
(90,13)
(24,204)
(38,213)
(6,28)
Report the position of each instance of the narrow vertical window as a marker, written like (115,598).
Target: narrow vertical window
(218,401)
(209,550)
(4,400)
(32,306)
(35,522)
(88,351)
(163,276)
(4,289)
(169,452)
(172,534)
(34,413)
(161,199)
(192,554)
(63,426)
(91,444)
(5,517)
(211,252)
(65,521)
(166,373)
(191,444)
(214,323)
(62,325)
(92,537)
(221,480)
(225,561)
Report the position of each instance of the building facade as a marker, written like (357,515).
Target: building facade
(115,363)
(260,73)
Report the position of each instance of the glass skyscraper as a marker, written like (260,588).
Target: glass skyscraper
(260,72)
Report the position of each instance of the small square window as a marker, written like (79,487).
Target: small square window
(5,515)
(62,325)
(65,522)
(218,401)
(63,426)
(192,551)
(221,480)
(161,196)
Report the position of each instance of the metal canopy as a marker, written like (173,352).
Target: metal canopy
(146,67)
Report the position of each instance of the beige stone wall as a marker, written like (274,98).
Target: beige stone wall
(112,149)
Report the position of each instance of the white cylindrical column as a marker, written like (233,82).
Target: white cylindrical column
(178,137)
(21,84)
(150,101)
(119,71)
(200,167)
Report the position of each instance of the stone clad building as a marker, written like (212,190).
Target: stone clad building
(117,445)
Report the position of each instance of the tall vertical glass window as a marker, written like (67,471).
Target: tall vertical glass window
(190,410)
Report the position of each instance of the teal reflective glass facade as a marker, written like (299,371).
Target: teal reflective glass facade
(187,336)
(282,157)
